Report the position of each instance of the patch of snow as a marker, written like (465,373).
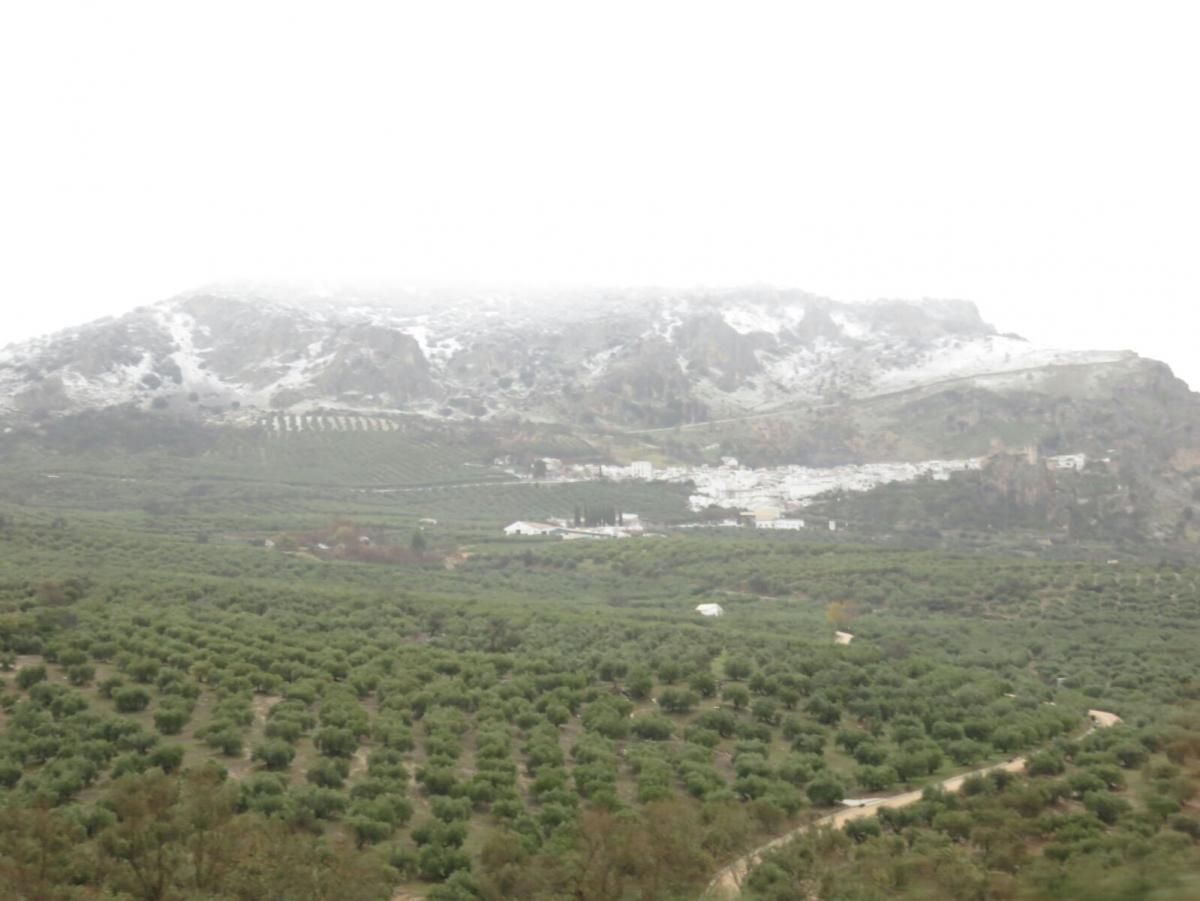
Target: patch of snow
(755,318)
(420,334)
(672,318)
(849,327)
(180,326)
(597,363)
(297,373)
(745,320)
(445,349)
(954,358)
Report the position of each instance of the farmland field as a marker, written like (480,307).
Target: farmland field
(219,663)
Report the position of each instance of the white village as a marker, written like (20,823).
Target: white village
(771,497)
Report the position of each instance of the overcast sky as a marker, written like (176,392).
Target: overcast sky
(1037,158)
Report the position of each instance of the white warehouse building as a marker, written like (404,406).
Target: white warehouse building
(531,528)
(642,469)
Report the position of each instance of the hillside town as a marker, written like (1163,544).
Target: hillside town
(765,497)
(781,489)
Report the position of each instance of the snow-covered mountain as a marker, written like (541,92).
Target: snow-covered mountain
(628,359)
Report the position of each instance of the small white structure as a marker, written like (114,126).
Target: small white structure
(788,524)
(601,532)
(530,528)
(1067,461)
(843,637)
(641,469)
(710,610)
(1102,718)
(833,525)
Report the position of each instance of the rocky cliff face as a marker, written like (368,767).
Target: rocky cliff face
(626,360)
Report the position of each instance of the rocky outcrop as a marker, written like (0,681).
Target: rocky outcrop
(614,359)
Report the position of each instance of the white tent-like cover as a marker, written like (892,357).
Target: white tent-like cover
(710,610)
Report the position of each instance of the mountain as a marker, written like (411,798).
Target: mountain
(769,376)
(624,359)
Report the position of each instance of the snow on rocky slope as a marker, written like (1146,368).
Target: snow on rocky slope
(631,358)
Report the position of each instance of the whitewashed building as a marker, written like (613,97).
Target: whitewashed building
(710,610)
(1067,461)
(641,469)
(530,528)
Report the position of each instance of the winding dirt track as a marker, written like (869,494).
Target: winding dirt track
(728,882)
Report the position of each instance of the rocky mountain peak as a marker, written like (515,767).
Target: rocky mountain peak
(641,357)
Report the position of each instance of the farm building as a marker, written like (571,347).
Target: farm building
(598,532)
(602,532)
(1068,461)
(531,528)
(710,610)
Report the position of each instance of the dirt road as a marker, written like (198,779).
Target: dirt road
(728,882)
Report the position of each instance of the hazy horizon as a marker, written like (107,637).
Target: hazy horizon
(1036,161)
(436,292)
